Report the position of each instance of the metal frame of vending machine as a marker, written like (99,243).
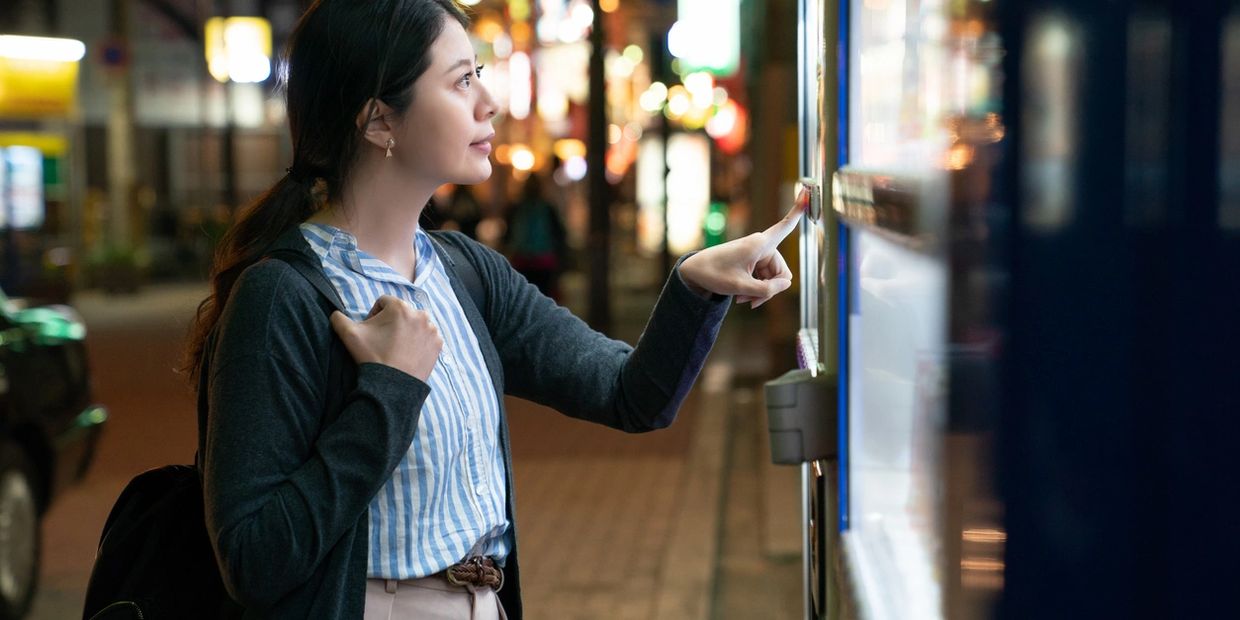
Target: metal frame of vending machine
(816,345)
(801,403)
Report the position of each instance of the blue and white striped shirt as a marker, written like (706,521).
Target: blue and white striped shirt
(446,499)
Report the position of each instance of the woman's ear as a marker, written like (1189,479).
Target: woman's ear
(375,122)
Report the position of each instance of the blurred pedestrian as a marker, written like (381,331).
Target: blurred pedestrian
(352,442)
(536,241)
(463,208)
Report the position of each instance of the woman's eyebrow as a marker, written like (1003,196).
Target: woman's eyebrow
(462,63)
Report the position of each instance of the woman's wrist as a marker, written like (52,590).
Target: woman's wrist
(686,271)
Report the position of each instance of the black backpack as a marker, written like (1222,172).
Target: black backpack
(155,559)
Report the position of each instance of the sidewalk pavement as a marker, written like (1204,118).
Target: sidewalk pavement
(615,525)
(671,524)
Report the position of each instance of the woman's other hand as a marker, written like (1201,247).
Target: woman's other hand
(394,334)
(751,268)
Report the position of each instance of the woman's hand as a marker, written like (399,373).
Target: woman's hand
(751,268)
(393,334)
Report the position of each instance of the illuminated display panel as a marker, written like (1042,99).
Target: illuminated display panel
(896,331)
(922,95)
(21,187)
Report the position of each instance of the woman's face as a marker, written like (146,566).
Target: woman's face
(445,134)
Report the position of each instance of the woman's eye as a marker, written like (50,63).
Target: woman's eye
(467,79)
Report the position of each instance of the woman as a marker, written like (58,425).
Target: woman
(352,439)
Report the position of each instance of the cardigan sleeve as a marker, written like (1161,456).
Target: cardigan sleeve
(552,357)
(280,487)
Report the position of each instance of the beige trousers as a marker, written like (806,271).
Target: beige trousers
(430,598)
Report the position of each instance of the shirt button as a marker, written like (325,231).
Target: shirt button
(480,489)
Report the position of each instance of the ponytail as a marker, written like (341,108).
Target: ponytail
(286,204)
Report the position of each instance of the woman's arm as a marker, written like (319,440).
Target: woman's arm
(552,357)
(280,488)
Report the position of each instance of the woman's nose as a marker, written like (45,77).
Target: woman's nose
(487,106)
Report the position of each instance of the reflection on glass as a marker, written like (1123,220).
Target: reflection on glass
(896,396)
(984,535)
(924,107)
(1147,119)
(898,66)
(1053,49)
(1229,157)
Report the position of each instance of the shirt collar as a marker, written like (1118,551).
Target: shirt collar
(340,246)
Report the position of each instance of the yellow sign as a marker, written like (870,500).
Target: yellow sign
(31,88)
(51,145)
(238,48)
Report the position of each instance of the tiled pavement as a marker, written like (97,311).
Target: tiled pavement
(672,524)
(614,525)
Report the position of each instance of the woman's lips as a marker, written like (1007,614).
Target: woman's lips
(483,145)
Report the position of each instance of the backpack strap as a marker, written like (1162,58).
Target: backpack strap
(465,269)
(312,275)
(336,364)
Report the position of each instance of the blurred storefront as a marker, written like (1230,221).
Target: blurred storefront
(537,56)
(38,97)
(152,140)
(137,182)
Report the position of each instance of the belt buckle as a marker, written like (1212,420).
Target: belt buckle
(476,561)
(452,578)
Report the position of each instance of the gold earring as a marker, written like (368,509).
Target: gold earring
(390,143)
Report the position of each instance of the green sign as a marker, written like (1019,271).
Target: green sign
(707,36)
(716,223)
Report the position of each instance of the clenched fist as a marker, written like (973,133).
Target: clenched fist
(394,334)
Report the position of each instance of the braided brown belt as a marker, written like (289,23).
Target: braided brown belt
(477,572)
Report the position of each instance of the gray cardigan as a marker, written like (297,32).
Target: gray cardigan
(295,439)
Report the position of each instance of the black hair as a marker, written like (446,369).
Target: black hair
(342,55)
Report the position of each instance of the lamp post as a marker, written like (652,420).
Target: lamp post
(660,67)
(599,309)
(120,130)
(238,50)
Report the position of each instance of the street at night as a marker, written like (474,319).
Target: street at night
(850,309)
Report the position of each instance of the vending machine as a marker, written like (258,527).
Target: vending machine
(917,124)
(1017,337)
(900,118)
